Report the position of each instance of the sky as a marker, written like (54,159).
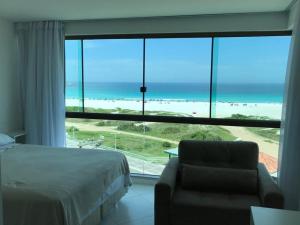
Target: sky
(236,60)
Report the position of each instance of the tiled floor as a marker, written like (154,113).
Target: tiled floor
(135,208)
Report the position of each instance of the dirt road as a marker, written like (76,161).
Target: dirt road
(265,145)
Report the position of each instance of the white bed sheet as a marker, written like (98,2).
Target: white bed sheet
(58,186)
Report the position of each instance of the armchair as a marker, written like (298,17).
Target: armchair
(213,183)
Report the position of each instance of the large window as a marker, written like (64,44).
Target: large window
(168,89)
(220,77)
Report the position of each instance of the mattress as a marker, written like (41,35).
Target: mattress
(58,186)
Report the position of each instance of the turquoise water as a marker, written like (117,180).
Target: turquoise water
(251,93)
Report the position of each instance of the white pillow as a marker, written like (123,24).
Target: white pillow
(5,139)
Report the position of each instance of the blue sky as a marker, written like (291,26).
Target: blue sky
(237,60)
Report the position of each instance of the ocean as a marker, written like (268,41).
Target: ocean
(246,93)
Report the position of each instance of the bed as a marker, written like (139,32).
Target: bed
(61,186)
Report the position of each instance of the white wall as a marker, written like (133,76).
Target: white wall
(292,14)
(205,23)
(9,98)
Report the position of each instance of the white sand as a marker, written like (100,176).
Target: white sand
(197,109)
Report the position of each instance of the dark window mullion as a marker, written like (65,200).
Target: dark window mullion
(211,76)
(144,66)
(172,119)
(82,76)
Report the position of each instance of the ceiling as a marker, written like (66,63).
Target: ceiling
(26,10)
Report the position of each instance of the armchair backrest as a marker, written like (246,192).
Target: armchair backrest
(229,154)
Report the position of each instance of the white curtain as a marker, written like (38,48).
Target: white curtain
(289,172)
(41,73)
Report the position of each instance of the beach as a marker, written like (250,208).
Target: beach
(187,108)
(125,139)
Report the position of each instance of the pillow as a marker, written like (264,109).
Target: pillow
(213,179)
(5,139)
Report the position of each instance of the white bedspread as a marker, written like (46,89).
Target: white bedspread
(57,186)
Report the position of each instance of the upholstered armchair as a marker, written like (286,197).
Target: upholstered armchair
(213,183)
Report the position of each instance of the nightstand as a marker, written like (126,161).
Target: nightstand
(19,136)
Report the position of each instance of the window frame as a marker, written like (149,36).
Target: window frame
(175,119)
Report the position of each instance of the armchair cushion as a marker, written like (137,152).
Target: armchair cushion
(211,179)
(230,154)
(194,208)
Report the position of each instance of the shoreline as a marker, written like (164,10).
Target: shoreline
(188,107)
(170,100)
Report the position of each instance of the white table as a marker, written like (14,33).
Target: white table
(267,216)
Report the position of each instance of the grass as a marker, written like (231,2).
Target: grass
(177,132)
(243,117)
(145,147)
(166,134)
(168,131)
(269,133)
(122,111)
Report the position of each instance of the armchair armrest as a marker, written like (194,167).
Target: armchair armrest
(164,189)
(269,192)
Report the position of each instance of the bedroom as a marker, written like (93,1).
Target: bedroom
(162,100)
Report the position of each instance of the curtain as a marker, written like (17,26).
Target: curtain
(40,49)
(289,168)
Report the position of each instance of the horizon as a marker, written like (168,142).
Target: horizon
(164,82)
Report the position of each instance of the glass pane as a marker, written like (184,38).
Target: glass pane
(113,75)
(148,145)
(178,76)
(249,75)
(267,140)
(73,76)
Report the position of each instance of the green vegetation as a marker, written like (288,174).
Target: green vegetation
(157,137)
(164,113)
(270,133)
(73,109)
(132,144)
(147,146)
(166,144)
(72,129)
(134,127)
(177,132)
(121,111)
(81,121)
(243,117)
(99,110)
(108,123)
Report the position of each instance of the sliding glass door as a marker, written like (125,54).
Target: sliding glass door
(249,77)
(74,82)
(113,74)
(219,77)
(178,76)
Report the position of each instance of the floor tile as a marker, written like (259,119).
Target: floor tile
(135,208)
(143,221)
